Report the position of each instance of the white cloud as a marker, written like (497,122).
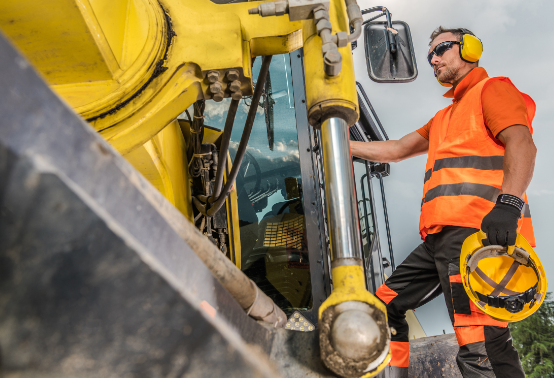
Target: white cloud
(284,147)
(246,108)
(217,109)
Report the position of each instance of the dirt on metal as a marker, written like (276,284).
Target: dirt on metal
(343,366)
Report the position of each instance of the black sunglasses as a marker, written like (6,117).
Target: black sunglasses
(440,49)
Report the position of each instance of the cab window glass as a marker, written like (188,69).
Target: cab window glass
(274,252)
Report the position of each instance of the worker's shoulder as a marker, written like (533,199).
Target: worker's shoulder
(500,84)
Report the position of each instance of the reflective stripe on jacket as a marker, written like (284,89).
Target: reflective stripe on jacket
(464,170)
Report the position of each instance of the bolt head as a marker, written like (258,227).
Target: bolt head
(232,75)
(333,57)
(235,86)
(215,87)
(218,97)
(236,95)
(212,76)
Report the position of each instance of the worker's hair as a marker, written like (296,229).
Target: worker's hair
(440,30)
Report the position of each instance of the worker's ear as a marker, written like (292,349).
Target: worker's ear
(389,52)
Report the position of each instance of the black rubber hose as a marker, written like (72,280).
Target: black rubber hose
(373,18)
(245,136)
(374,9)
(223,148)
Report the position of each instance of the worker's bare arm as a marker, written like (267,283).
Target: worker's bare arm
(391,151)
(519,159)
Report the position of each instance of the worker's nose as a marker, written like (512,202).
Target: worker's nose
(435,60)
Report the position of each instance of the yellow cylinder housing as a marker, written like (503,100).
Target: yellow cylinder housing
(329,96)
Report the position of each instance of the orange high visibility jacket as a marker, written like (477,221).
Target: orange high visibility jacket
(464,169)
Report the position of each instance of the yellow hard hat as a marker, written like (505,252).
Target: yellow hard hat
(508,284)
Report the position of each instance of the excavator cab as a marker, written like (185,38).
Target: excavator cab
(282,224)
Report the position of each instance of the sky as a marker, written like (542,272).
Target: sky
(518,43)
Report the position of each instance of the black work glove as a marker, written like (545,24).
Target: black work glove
(500,225)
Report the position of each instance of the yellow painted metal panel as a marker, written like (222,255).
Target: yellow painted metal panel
(163,161)
(136,32)
(329,96)
(141,160)
(112,15)
(233,220)
(281,44)
(134,130)
(55,38)
(80,94)
(171,144)
(141,69)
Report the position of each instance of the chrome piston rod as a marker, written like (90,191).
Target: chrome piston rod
(342,212)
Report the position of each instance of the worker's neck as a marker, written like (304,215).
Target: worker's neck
(463,73)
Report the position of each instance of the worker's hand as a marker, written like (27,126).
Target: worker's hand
(500,225)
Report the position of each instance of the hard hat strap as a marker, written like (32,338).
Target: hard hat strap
(512,303)
(491,282)
(502,285)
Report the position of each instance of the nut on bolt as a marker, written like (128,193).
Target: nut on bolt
(218,97)
(212,76)
(342,39)
(236,95)
(232,75)
(235,86)
(215,87)
(321,13)
(332,63)
(323,24)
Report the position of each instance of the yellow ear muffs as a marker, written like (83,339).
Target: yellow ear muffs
(471,48)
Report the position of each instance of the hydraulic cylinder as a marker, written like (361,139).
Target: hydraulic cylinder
(354,336)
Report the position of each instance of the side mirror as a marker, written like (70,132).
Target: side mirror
(389,52)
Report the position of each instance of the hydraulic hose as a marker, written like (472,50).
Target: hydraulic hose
(356,19)
(357,31)
(223,148)
(244,138)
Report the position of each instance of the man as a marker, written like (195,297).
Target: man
(480,161)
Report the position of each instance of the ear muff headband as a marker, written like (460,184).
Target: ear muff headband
(471,47)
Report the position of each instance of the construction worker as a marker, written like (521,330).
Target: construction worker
(481,158)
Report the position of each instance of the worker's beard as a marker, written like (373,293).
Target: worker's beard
(449,75)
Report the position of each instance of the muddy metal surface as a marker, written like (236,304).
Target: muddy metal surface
(434,357)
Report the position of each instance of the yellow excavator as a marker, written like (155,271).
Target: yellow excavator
(177,194)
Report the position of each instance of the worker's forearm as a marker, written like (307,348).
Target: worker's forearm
(377,151)
(519,163)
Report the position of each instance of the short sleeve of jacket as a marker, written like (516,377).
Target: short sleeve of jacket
(503,106)
(424,131)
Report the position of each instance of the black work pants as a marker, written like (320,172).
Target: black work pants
(486,348)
